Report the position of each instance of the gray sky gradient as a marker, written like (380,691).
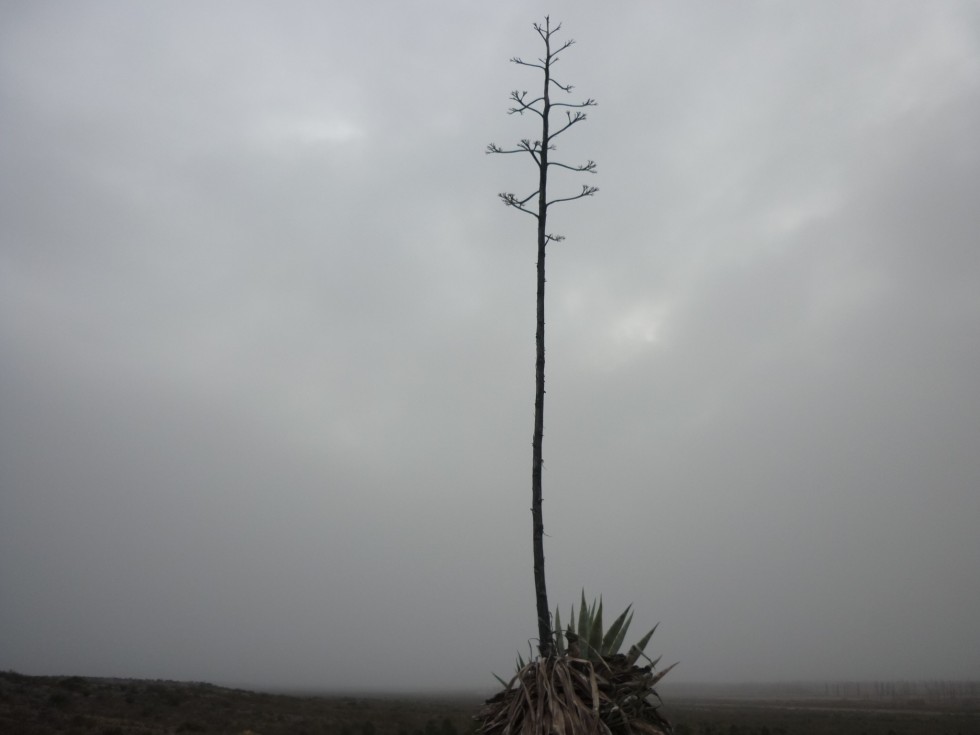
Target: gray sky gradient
(266,339)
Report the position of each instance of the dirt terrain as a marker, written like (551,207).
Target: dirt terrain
(823,717)
(39,705)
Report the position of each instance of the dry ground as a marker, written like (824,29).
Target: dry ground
(39,705)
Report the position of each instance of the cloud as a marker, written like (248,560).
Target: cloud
(268,340)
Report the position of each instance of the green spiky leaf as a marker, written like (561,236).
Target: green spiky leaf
(559,637)
(661,674)
(642,644)
(583,620)
(617,641)
(636,650)
(595,629)
(608,641)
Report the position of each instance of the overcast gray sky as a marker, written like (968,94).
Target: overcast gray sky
(266,339)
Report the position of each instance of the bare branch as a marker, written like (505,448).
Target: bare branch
(588,103)
(518,60)
(588,167)
(511,200)
(554,238)
(529,197)
(494,148)
(545,33)
(523,105)
(525,146)
(572,119)
(533,148)
(553,56)
(587,191)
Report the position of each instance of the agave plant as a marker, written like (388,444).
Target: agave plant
(587,688)
(589,640)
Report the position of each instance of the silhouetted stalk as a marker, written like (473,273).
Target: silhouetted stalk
(539,151)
